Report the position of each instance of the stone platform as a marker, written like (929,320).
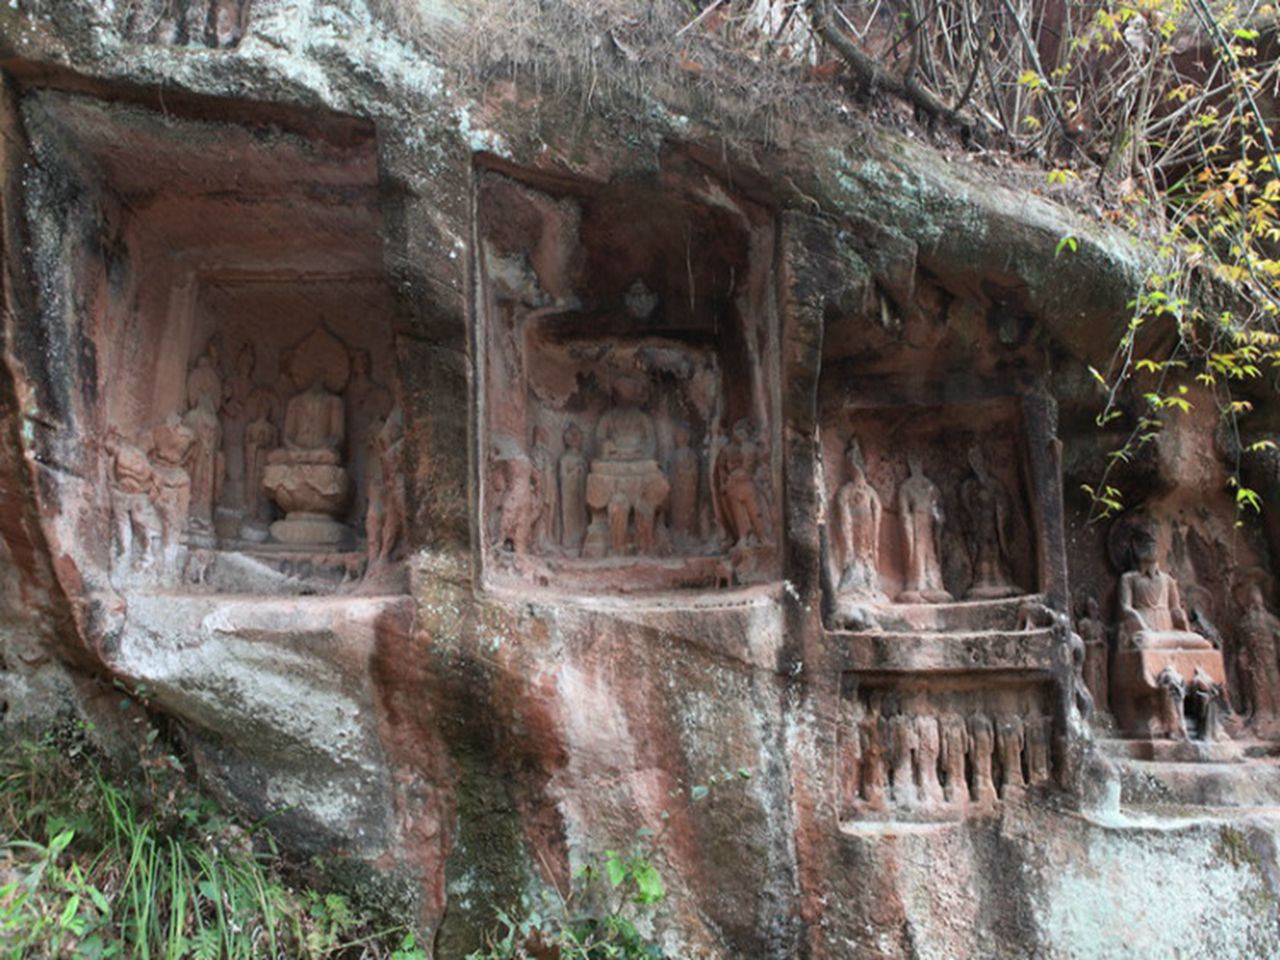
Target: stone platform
(956,637)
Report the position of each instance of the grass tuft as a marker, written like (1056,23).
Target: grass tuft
(95,867)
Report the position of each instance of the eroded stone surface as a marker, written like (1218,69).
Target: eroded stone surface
(647,461)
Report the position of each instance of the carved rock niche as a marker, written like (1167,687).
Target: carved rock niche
(938,749)
(930,505)
(628,412)
(246,379)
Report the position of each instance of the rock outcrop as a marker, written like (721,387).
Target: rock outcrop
(473,469)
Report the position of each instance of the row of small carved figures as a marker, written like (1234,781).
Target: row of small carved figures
(926,760)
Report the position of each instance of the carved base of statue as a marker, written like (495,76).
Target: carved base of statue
(311,494)
(991,591)
(1143,688)
(1169,640)
(309,529)
(924,596)
(618,493)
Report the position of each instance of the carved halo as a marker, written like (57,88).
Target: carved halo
(320,357)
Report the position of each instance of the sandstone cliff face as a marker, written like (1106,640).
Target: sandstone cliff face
(600,367)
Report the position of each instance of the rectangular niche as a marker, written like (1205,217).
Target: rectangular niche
(628,421)
(940,749)
(934,518)
(242,325)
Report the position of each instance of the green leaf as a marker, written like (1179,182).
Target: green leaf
(649,885)
(69,911)
(614,867)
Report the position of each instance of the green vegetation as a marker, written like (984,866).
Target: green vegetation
(596,919)
(153,869)
(601,915)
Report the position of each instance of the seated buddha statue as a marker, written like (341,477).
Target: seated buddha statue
(314,428)
(305,476)
(625,481)
(1151,613)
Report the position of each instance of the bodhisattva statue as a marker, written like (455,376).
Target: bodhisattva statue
(385,515)
(985,505)
(368,404)
(1093,632)
(1010,737)
(573,491)
(903,743)
(684,488)
(518,501)
(260,438)
(305,476)
(1208,703)
(625,481)
(850,763)
(954,748)
(928,749)
(1151,614)
(920,513)
(205,461)
(134,487)
(1258,647)
(170,449)
(858,512)
(736,482)
(235,416)
(982,741)
(871,749)
(1039,733)
(1171,718)
(545,533)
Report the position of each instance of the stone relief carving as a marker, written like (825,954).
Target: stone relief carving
(1165,674)
(1097,651)
(684,475)
(205,461)
(514,482)
(170,448)
(642,394)
(1151,612)
(230,461)
(928,505)
(306,477)
(1258,653)
(385,513)
(740,498)
(921,517)
(134,490)
(907,760)
(986,509)
(368,403)
(573,491)
(858,513)
(626,487)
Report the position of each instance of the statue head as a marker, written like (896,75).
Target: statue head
(854,461)
(914,463)
(630,391)
(742,431)
(1087,606)
(1143,547)
(360,362)
(539,436)
(681,435)
(977,462)
(572,437)
(245,360)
